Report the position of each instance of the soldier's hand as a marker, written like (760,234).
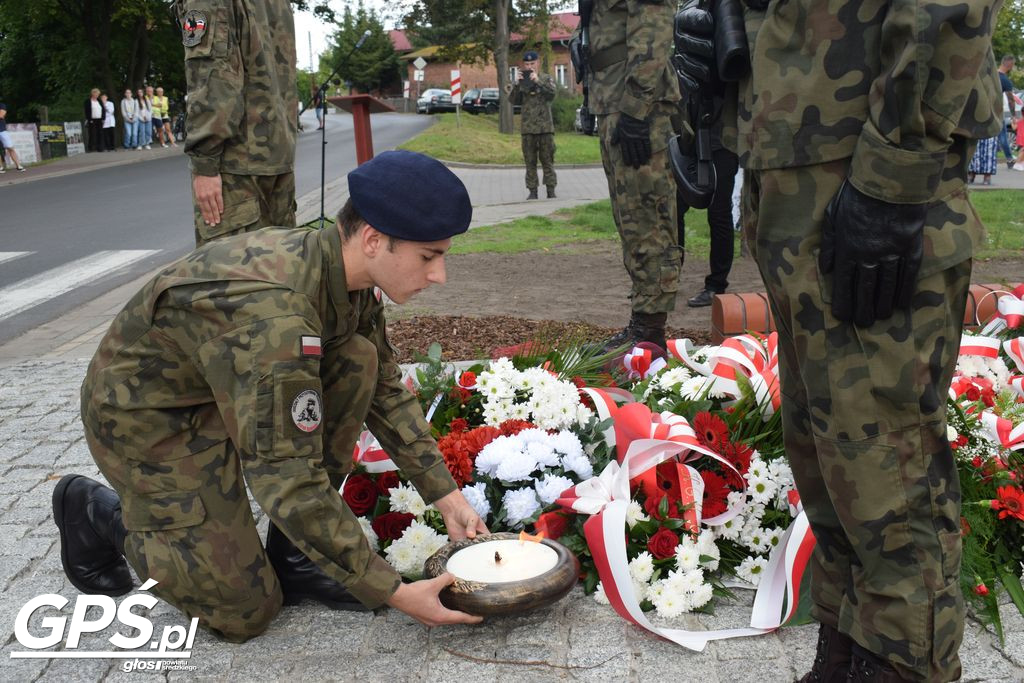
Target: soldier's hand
(460,518)
(209,198)
(694,56)
(421,602)
(873,250)
(634,137)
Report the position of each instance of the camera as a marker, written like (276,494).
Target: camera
(526,74)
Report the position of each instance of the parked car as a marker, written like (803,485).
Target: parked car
(434,100)
(481,100)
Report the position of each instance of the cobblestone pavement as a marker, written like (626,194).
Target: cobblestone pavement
(575,639)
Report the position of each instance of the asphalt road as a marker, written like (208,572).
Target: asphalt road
(68,239)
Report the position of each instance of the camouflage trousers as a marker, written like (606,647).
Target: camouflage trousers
(539,146)
(189,521)
(250,203)
(864,425)
(644,208)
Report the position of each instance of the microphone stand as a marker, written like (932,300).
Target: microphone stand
(321,93)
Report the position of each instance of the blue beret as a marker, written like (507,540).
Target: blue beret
(410,196)
(530,56)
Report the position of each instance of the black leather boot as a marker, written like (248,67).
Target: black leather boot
(832,660)
(867,667)
(551,193)
(301,579)
(88,516)
(533,194)
(649,327)
(627,335)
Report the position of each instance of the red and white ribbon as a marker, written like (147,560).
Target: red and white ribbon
(1016,383)
(370,455)
(1010,307)
(1003,431)
(1014,348)
(978,345)
(640,363)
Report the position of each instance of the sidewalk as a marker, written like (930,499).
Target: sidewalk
(91,161)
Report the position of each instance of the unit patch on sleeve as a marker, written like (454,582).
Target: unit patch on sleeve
(193,28)
(307,412)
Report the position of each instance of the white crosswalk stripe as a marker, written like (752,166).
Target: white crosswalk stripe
(49,284)
(6,256)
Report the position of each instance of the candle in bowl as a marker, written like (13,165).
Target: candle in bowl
(504,573)
(502,561)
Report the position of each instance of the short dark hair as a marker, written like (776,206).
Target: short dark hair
(1007,59)
(350,222)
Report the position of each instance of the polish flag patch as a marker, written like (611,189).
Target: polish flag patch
(310,346)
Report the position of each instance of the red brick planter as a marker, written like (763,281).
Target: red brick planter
(733,314)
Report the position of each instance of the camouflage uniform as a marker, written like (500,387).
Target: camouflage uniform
(206,383)
(538,130)
(892,96)
(630,45)
(242,109)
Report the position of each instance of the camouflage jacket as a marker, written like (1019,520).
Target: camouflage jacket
(630,47)
(242,98)
(889,84)
(215,348)
(535,99)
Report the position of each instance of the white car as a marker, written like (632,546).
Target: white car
(434,100)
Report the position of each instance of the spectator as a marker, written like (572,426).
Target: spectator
(94,121)
(1009,104)
(318,103)
(160,105)
(984,160)
(6,144)
(1019,165)
(108,123)
(165,107)
(145,108)
(130,116)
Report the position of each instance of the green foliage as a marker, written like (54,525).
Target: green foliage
(563,110)
(375,65)
(1008,37)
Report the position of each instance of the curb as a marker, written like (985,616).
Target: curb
(734,314)
(466,164)
(20,179)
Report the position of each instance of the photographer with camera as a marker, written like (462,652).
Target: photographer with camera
(856,130)
(533,92)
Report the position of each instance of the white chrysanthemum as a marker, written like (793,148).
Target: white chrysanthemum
(406,499)
(402,557)
(673,376)
(780,472)
(599,594)
(519,411)
(692,388)
(551,487)
(753,513)
(751,569)
(687,556)
(670,603)
(685,581)
(729,530)
(634,514)
(418,534)
(641,567)
(701,596)
(579,464)
(655,590)
(762,490)
(754,537)
(496,412)
(516,466)
(951,434)
(520,504)
(492,454)
(371,535)
(773,537)
(757,468)
(706,542)
(567,443)
(583,415)
(476,497)
(542,454)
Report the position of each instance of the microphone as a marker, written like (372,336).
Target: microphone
(362,39)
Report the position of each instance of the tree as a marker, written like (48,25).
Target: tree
(375,65)
(1008,37)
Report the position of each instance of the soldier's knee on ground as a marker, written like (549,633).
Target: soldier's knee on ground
(239,623)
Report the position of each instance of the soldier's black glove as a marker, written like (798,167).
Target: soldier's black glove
(694,56)
(634,137)
(874,249)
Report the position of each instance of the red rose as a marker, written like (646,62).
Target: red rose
(467,379)
(552,524)
(972,393)
(386,481)
(360,494)
(390,525)
(663,544)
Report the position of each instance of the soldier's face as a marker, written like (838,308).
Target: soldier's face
(408,268)
(530,65)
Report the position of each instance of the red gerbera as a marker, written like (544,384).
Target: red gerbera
(711,430)
(1010,502)
(738,454)
(715,491)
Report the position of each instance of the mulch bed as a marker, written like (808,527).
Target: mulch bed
(465,338)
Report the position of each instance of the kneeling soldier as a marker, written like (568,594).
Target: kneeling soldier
(254,361)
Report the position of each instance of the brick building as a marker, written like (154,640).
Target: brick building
(437,74)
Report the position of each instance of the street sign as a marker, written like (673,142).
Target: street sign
(456,87)
(417,75)
(419,63)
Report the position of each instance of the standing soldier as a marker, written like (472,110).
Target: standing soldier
(242,113)
(534,93)
(633,92)
(856,129)
(253,363)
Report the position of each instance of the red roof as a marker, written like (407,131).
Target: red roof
(401,42)
(562,26)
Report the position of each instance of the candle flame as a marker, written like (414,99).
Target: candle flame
(524,537)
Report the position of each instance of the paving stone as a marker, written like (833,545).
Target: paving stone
(981,661)
(655,659)
(29,516)
(396,668)
(446,667)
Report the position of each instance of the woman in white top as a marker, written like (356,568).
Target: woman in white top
(108,123)
(145,110)
(130,116)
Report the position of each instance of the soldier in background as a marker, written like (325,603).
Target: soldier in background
(633,92)
(856,130)
(254,362)
(242,113)
(534,93)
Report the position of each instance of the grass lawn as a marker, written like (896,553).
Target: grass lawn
(1002,211)
(476,140)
